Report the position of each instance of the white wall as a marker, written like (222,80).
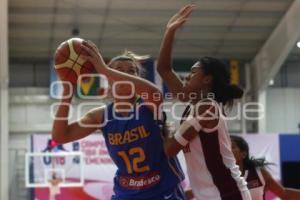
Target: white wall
(27,74)
(283,110)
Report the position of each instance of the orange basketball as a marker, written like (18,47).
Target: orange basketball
(68,62)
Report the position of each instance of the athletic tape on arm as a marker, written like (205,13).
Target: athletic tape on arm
(190,122)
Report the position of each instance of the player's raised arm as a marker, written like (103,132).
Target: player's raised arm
(164,64)
(63,131)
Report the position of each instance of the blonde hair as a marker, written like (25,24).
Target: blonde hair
(130,56)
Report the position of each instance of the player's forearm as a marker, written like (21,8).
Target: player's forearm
(189,194)
(164,66)
(291,194)
(60,122)
(164,63)
(171,147)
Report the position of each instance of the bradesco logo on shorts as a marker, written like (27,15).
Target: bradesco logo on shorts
(142,182)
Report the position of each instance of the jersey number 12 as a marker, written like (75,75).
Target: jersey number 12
(133,165)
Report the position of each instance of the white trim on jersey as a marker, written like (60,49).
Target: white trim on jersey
(257,193)
(262,179)
(180,139)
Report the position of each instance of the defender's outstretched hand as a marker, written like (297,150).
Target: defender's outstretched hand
(180,17)
(164,63)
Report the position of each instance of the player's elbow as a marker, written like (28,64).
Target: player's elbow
(170,150)
(160,69)
(153,95)
(287,194)
(59,137)
(157,96)
(163,71)
(284,195)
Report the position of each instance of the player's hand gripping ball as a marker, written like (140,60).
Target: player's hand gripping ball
(69,64)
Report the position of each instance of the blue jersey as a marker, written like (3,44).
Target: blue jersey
(135,145)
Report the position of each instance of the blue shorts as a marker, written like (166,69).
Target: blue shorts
(175,193)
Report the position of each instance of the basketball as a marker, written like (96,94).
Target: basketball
(69,65)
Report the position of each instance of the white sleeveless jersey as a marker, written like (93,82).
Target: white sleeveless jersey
(211,165)
(256,183)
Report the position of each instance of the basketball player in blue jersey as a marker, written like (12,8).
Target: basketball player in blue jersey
(131,130)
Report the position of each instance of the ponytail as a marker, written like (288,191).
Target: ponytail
(255,162)
(224,92)
(234,91)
